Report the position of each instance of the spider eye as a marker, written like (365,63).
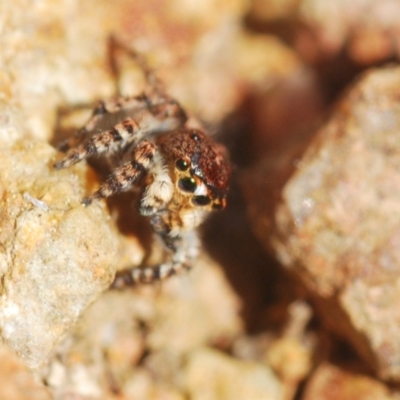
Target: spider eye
(182,165)
(201,200)
(187,184)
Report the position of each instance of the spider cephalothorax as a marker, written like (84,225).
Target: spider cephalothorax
(182,173)
(199,176)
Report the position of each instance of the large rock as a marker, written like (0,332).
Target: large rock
(56,255)
(338,222)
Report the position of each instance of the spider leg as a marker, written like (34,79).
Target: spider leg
(127,174)
(109,140)
(134,104)
(185,252)
(113,106)
(134,276)
(115,45)
(165,114)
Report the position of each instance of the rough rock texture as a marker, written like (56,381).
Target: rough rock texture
(330,382)
(45,63)
(56,256)
(338,222)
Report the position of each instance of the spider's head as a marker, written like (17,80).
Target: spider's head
(200,168)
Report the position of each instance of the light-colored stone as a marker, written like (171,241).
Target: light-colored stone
(56,256)
(45,63)
(214,376)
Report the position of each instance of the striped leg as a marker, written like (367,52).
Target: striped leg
(182,259)
(133,105)
(102,142)
(102,110)
(127,174)
(134,276)
(113,106)
(146,118)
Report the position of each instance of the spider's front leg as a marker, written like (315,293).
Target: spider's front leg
(102,142)
(143,116)
(126,175)
(171,111)
(185,250)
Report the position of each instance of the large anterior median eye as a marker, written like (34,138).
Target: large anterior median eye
(201,200)
(187,184)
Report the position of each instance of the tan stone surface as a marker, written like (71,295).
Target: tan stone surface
(56,256)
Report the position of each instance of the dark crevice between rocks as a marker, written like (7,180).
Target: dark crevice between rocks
(263,286)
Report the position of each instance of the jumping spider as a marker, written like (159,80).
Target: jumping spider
(182,174)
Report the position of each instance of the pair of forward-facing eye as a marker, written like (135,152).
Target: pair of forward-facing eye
(189,185)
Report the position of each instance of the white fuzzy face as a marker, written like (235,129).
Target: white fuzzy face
(191,199)
(173,194)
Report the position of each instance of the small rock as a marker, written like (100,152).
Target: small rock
(211,375)
(331,383)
